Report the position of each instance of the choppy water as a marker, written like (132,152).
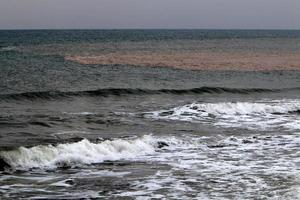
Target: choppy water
(72,131)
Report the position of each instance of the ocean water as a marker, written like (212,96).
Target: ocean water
(70,130)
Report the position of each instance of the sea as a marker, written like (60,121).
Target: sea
(72,130)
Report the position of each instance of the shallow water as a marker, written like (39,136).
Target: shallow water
(73,131)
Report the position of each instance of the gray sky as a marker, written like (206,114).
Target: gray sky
(261,14)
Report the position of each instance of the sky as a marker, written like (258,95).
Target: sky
(168,14)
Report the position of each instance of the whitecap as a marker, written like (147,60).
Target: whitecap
(7,48)
(82,152)
(252,115)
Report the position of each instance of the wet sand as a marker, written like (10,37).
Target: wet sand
(197,61)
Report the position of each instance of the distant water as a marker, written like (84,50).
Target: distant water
(76,131)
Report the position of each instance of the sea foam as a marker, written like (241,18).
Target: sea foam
(82,152)
(264,114)
(7,48)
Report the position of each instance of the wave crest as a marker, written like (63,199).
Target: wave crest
(130,91)
(251,115)
(7,48)
(82,152)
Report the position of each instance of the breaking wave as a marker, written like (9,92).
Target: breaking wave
(7,48)
(252,115)
(129,91)
(82,152)
(237,162)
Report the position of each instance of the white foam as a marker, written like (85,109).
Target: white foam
(233,166)
(84,152)
(80,113)
(240,165)
(99,173)
(62,183)
(252,115)
(8,48)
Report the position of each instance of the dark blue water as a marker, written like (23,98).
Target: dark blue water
(38,37)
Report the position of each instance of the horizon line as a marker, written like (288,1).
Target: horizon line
(110,29)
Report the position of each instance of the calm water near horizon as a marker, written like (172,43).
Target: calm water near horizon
(92,131)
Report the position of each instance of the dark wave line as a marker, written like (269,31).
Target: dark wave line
(127,91)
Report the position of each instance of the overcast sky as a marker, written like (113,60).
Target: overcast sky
(105,14)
